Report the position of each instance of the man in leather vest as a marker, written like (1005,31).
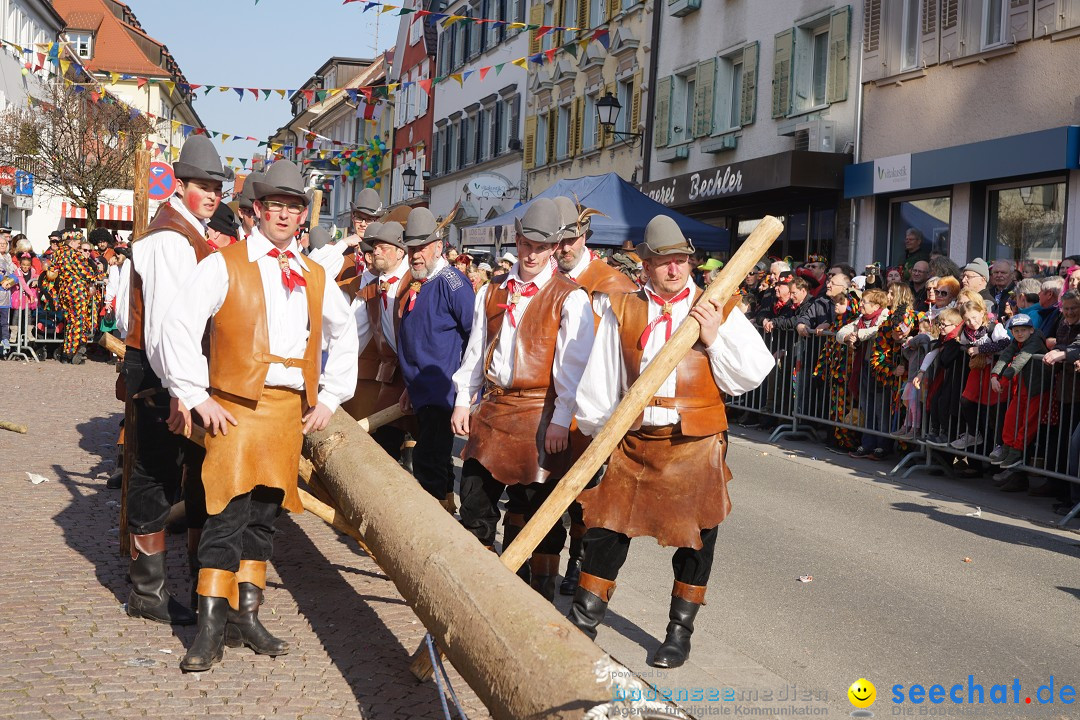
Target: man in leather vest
(531,336)
(599,279)
(162,261)
(273,314)
(366,396)
(377,307)
(668,478)
(367,209)
(245,204)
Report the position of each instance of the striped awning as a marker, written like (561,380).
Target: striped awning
(119,213)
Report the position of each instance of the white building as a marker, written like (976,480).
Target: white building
(970,130)
(32,25)
(754,111)
(479,122)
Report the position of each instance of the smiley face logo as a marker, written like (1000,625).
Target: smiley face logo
(862,693)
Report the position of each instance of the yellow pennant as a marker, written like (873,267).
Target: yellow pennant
(520,62)
(115,76)
(170,85)
(281,93)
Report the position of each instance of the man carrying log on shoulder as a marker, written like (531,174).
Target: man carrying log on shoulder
(668,478)
(273,314)
(531,336)
(599,280)
(162,262)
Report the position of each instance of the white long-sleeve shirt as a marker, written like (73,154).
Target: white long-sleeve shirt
(331,256)
(123,298)
(386,313)
(572,347)
(112,284)
(287,325)
(164,261)
(738,358)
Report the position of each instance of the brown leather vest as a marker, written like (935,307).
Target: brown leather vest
(538,326)
(240,340)
(368,362)
(166,218)
(385,353)
(598,276)
(697,398)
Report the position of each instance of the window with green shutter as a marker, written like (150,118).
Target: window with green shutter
(662,113)
(783,49)
(704,88)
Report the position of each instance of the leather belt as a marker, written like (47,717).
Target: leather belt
(262,357)
(683,402)
(497,391)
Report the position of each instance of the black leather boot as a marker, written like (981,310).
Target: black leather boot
(244,628)
(685,601)
(148,598)
(193,537)
(208,647)
(573,565)
(512,524)
(590,603)
(545,571)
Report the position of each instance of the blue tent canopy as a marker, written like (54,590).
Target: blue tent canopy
(628,211)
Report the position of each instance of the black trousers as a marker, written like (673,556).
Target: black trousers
(434,445)
(162,459)
(390,439)
(244,530)
(480,495)
(606,550)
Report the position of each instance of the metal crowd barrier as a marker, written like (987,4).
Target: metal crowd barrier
(819,385)
(34,329)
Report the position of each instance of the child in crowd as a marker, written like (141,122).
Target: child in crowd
(859,335)
(981,337)
(943,365)
(1026,390)
(915,332)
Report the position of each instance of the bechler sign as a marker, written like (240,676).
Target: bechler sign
(698,186)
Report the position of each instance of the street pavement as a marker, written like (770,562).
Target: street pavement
(70,651)
(911,585)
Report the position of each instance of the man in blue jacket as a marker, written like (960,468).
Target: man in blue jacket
(435,323)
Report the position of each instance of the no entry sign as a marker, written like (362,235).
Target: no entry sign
(162,181)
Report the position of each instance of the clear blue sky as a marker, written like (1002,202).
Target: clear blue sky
(275,44)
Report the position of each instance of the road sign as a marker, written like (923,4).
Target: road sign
(24,183)
(162,181)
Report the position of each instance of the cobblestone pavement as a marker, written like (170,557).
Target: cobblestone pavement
(71,652)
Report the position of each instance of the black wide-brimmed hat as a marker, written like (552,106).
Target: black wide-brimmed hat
(199,160)
(281,178)
(223,220)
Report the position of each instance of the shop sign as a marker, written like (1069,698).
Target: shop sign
(7,175)
(892,173)
(24,202)
(698,186)
(489,185)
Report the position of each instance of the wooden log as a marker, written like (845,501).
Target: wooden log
(631,406)
(513,647)
(113,344)
(141,195)
(383,417)
(316,208)
(13,427)
(332,517)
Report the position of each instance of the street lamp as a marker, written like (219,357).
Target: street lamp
(607,114)
(408,176)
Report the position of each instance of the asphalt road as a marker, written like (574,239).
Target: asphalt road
(907,589)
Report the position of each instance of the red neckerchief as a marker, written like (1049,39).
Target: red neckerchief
(289,277)
(778,306)
(384,287)
(515,293)
(663,317)
(414,290)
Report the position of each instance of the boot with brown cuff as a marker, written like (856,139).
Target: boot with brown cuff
(217,594)
(244,627)
(545,571)
(685,601)
(148,598)
(590,603)
(193,537)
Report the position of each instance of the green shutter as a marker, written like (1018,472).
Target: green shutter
(781,84)
(662,114)
(748,102)
(836,79)
(530,142)
(704,84)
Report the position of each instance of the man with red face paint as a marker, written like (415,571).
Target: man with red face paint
(162,260)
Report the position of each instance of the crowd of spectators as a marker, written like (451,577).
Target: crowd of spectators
(978,363)
(59,301)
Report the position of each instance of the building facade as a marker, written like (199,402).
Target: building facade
(476,162)
(563,137)
(965,135)
(414,60)
(31,25)
(754,111)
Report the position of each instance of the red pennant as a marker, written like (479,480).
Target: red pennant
(484,71)
(140,82)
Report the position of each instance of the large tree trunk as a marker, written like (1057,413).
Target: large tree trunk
(514,649)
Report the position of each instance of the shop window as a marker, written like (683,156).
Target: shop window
(1027,223)
(930,216)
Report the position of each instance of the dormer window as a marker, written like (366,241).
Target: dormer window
(82,43)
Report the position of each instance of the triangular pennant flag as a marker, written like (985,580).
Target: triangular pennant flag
(387,8)
(239,92)
(425,85)
(465,75)
(538,58)
(499,67)
(170,85)
(243,163)
(309,95)
(517,25)
(484,71)
(208,88)
(254,92)
(571,48)
(141,82)
(450,20)
(281,93)
(321,94)
(602,36)
(353,93)
(64,65)
(175,153)
(225,136)
(544,30)
(520,62)
(266,93)
(405,11)
(550,54)
(228,159)
(114,76)
(456,76)
(193,88)
(149,144)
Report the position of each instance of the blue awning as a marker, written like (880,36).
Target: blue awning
(1028,154)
